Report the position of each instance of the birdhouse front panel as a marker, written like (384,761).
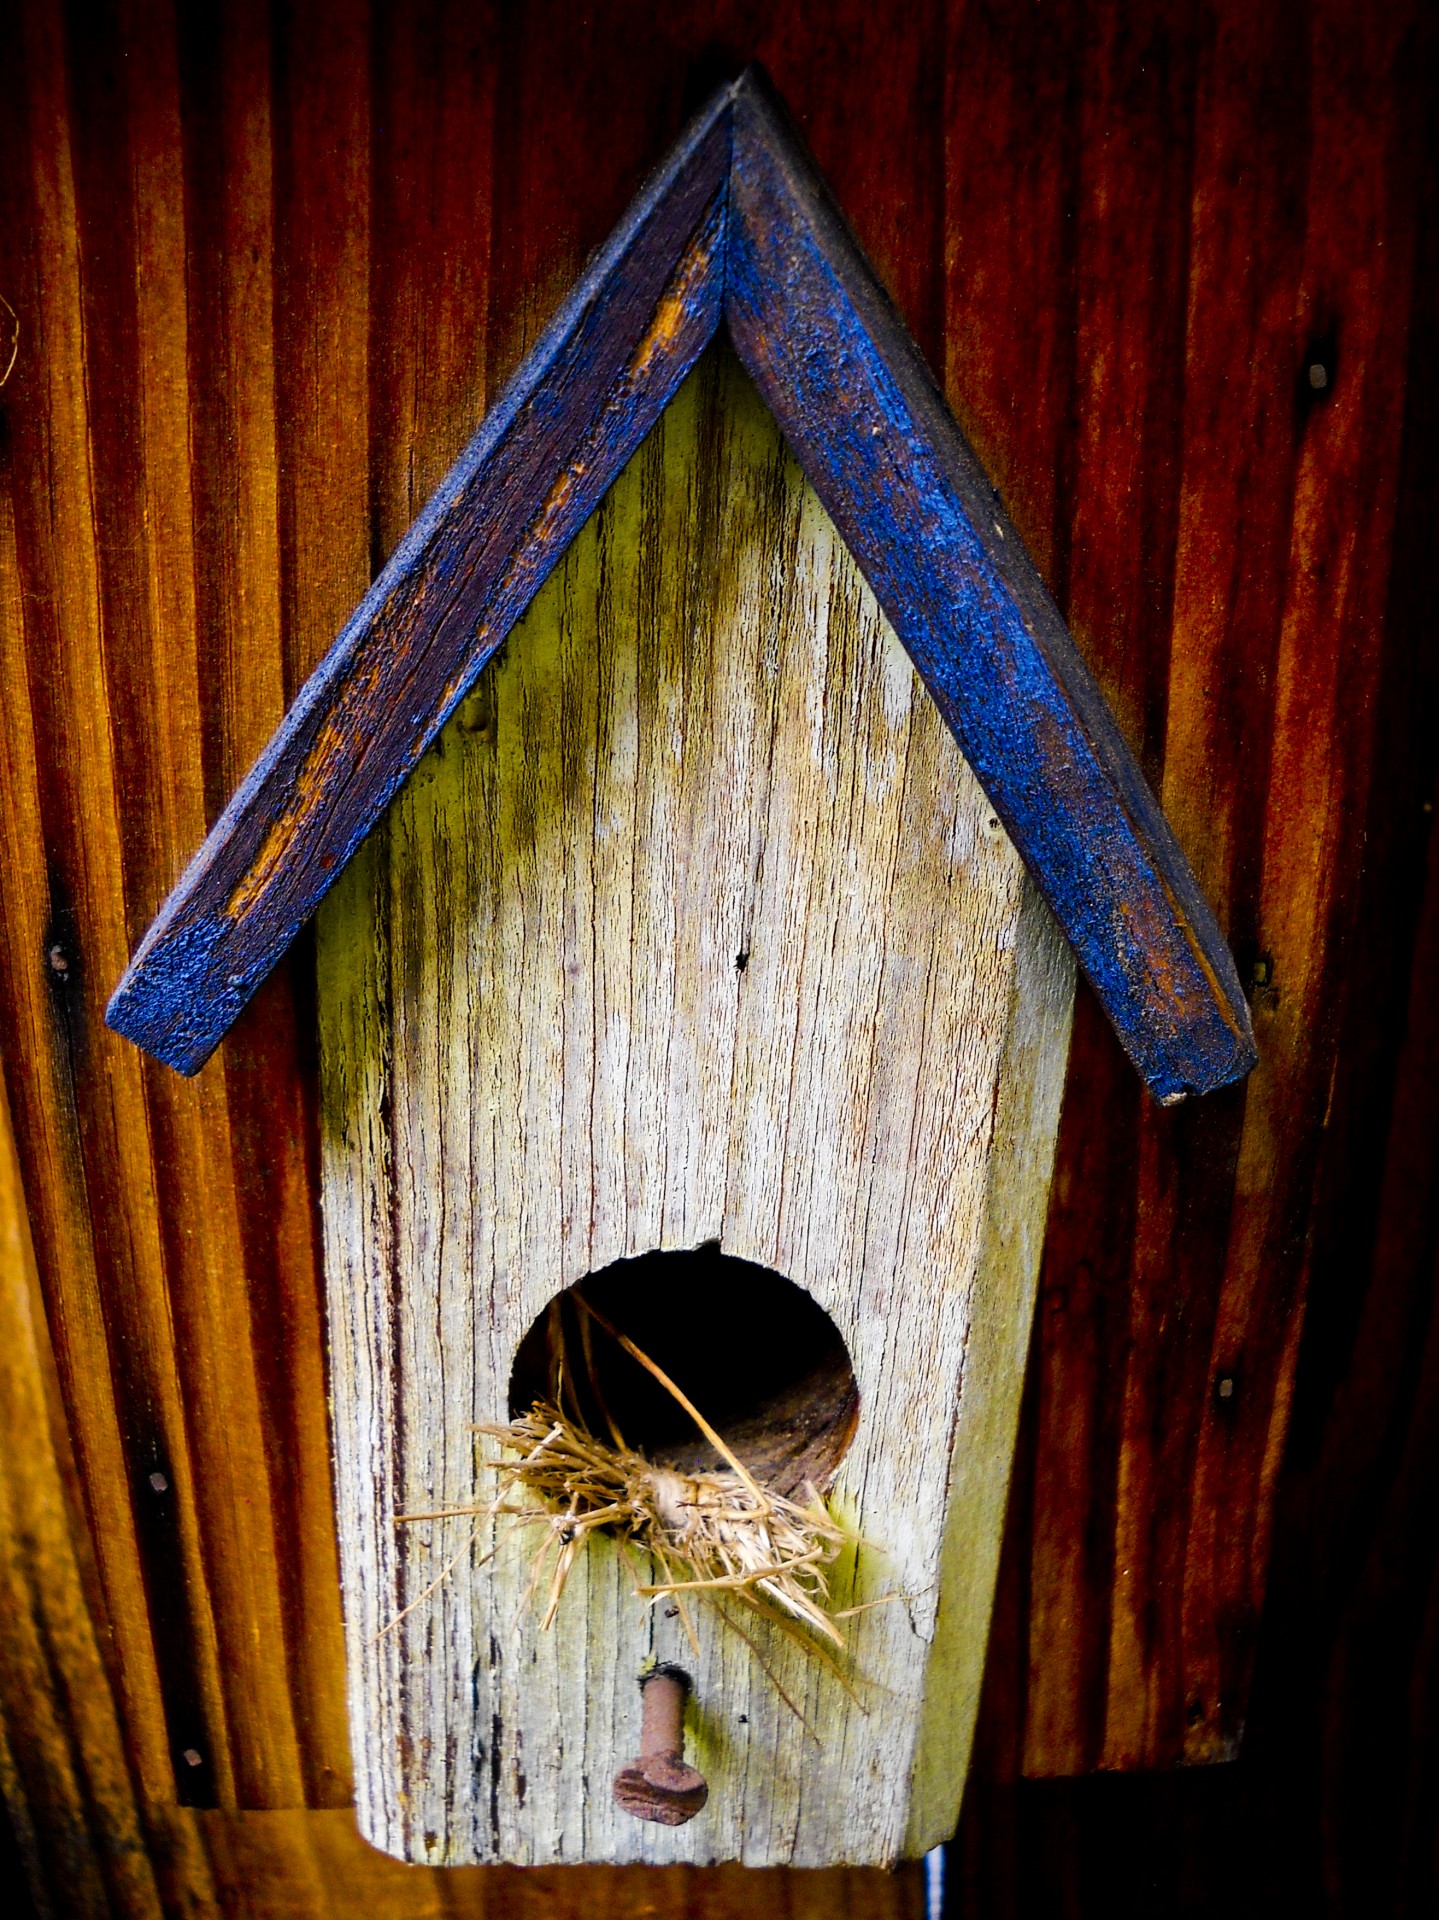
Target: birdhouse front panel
(692,969)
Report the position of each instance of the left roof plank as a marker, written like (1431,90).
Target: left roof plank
(578,406)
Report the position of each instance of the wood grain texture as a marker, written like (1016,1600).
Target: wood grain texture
(1176,1667)
(314,1866)
(1331,1803)
(986,167)
(116,1344)
(858,405)
(832,358)
(466,569)
(660,948)
(63,1765)
(140,513)
(1336,578)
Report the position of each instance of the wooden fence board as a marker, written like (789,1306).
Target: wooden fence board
(285,380)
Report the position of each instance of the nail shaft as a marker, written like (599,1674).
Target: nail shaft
(658,1785)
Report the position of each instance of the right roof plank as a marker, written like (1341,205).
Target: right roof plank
(835,364)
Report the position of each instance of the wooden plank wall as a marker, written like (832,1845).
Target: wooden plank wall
(268,267)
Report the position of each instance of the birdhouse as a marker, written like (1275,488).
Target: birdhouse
(708,806)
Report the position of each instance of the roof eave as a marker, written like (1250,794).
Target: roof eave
(736,225)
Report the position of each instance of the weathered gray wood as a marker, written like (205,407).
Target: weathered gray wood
(539,1056)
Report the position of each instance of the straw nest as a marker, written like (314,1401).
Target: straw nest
(720,1536)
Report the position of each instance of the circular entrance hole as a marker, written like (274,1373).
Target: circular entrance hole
(757,1355)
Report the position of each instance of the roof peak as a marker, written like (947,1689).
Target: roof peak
(735,228)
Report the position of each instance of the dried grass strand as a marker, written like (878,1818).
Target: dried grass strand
(718,1535)
(736,1464)
(709,1533)
(14,332)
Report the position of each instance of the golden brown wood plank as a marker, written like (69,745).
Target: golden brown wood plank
(115,1348)
(133,252)
(36,979)
(314,1866)
(205,1288)
(230,175)
(63,1766)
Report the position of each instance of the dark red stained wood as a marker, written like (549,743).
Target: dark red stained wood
(1362,1567)
(1355,290)
(880,149)
(1132,158)
(1331,1806)
(1011,120)
(1013,123)
(1238,453)
(1185,1175)
(1132,219)
(322,127)
(998,195)
(1152,1572)
(586,102)
(1081,1335)
(1119,1402)
(435,105)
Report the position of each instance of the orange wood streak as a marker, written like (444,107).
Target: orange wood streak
(62,1750)
(206,1282)
(670,315)
(332,747)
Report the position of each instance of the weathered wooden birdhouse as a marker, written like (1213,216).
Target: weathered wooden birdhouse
(707,802)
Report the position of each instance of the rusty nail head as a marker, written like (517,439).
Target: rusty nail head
(658,1785)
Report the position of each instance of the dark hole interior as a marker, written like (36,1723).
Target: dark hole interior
(758,1356)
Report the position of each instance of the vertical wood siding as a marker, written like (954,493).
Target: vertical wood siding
(269,266)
